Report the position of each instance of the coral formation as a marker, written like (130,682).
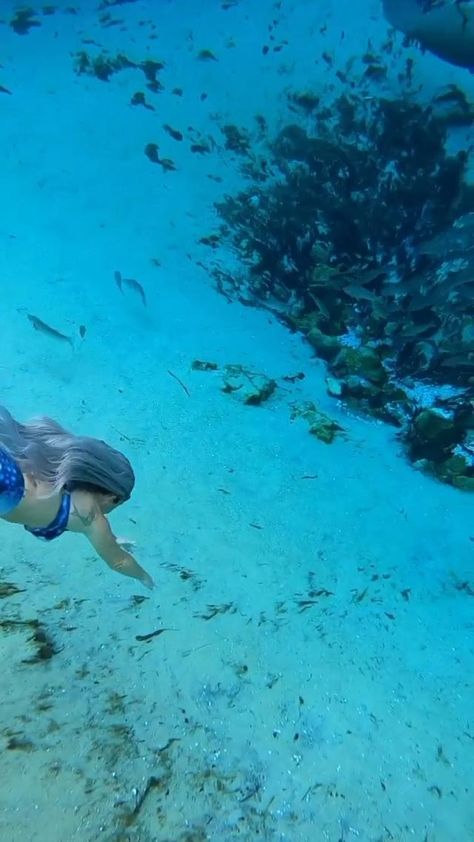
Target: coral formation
(359,235)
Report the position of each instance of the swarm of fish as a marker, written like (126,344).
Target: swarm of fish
(55,334)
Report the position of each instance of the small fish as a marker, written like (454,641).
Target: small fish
(212,240)
(292,378)
(360,293)
(167,164)
(206,55)
(139,99)
(174,133)
(82,331)
(152,153)
(42,327)
(200,148)
(130,282)
(151,634)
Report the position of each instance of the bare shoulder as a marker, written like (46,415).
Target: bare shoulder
(84,510)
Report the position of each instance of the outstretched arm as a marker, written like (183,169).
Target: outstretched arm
(105,544)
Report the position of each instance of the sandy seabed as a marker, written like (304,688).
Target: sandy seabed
(313,675)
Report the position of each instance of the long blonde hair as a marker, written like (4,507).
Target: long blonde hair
(47,451)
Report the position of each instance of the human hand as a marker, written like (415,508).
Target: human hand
(146,580)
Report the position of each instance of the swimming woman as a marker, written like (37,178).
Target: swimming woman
(52,481)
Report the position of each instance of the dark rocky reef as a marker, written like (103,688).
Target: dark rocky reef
(360,234)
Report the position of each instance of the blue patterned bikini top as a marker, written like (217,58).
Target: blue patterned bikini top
(58,525)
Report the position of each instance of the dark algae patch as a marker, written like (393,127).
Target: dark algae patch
(38,639)
(24,20)
(101,66)
(104,65)
(9,589)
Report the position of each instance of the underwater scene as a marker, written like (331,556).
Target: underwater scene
(237,275)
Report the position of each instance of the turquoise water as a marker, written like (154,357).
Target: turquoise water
(312,679)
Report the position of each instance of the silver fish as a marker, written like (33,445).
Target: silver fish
(42,327)
(130,282)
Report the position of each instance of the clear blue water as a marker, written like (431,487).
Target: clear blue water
(312,678)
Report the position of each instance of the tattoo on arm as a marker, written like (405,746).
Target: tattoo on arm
(86,518)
